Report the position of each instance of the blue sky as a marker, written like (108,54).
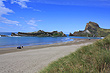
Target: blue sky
(49,15)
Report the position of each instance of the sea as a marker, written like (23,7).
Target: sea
(7,42)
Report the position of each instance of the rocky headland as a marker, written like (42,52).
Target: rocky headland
(41,33)
(92,29)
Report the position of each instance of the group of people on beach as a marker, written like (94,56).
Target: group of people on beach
(19,47)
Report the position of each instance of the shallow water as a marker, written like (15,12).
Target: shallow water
(6,42)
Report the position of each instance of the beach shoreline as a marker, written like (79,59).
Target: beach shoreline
(32,59)
(74,42)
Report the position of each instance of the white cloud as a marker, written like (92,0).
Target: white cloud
(1,3)
(5,20)
(34,9)
(33,28)
(5,11)
(22,3)
(39,20)
(18,25)
(21,17)
(32,22)
(76,2)
(37,10)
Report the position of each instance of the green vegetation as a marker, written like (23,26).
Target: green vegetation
(41,33)
(56,34)
(99,32)
(94,58)
(94,29)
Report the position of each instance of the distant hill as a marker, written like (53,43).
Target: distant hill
(41,33)
(92,29)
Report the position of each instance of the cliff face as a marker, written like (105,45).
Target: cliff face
(91,25)
(41,33)
(92,29)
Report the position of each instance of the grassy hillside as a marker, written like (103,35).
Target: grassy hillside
(103,32)
(97,31)
(94,58)
(94,30)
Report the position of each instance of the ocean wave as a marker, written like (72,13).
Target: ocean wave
(14,36)
(67,39)
(102,37)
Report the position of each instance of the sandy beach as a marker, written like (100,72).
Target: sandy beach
(32,59)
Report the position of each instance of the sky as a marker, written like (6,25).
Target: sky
(52,15)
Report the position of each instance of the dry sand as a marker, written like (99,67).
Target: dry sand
(34,58)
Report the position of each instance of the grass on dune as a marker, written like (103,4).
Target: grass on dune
(94,58)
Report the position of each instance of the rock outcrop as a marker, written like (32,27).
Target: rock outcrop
(92,29)
(70,34)
(41,33)
(4,36)
(91,25)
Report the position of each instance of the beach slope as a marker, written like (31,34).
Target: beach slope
(31,61)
